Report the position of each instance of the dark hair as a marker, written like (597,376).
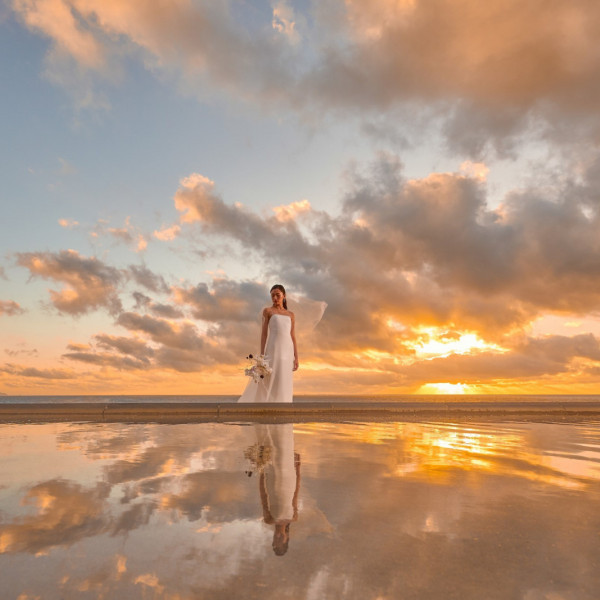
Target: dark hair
(278,286)
(281,549)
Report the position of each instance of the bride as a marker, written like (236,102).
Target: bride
(278,344)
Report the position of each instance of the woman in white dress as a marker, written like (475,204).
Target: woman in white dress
(278,344)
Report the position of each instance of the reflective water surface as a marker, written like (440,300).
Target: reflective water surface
(369,510)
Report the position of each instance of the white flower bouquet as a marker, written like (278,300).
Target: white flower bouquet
(260,367)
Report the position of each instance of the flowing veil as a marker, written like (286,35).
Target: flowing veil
(308,312)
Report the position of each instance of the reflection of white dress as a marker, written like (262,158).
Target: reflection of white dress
(279,385)
(280,472)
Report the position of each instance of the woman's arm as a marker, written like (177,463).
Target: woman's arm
(265,329)
(295,498)
(264,499)
(293,332)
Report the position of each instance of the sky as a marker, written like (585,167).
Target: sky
(426,170)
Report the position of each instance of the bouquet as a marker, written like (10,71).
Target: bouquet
(260,367)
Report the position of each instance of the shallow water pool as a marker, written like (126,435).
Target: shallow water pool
(312,510)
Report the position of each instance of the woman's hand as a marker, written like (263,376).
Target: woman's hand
(296,364)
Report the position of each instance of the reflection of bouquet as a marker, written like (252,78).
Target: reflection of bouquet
(259,456)
(260,367)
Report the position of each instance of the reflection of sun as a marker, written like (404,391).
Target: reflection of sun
(436,450)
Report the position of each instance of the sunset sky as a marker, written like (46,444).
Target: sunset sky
(429,169)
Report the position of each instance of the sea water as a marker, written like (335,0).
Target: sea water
(204,399)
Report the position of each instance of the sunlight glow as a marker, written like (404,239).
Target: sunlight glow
(446,388)
(434,342)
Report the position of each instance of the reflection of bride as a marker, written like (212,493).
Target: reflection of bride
(279,481)
(278,343)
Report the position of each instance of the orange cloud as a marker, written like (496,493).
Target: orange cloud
(424,283)
(167,233)
(57,20)
(289,212)
(490,70)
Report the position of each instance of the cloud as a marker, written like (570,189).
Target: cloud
(168,311)
(533,358)
(167,233)
(489,71)
(226,301)
(179,345)
(284,20)
(148,279)
(33,372)
(291,211)
(22,351)
(121,353)
(10,308)
(127,234)
(430,249)
(89,283)
(231,314)
(400,254)
(415,252)
(68,223)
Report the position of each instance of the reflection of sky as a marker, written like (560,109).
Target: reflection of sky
(385,510)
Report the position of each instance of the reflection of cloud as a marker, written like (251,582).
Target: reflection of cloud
(413,503)
(66,513)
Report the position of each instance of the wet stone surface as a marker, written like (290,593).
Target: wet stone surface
(306,510)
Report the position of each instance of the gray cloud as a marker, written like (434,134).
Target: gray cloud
(23,371)
(227,300)
(148,279)
(89,283)
(10,308)
(167,311)
(488,71)
(428,250)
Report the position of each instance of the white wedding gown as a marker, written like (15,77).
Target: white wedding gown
(279,385)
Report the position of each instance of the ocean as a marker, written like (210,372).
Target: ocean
(208,399)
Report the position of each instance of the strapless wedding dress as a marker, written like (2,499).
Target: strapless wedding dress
(279,385)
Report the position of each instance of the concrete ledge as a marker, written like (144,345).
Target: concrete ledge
(190,412)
